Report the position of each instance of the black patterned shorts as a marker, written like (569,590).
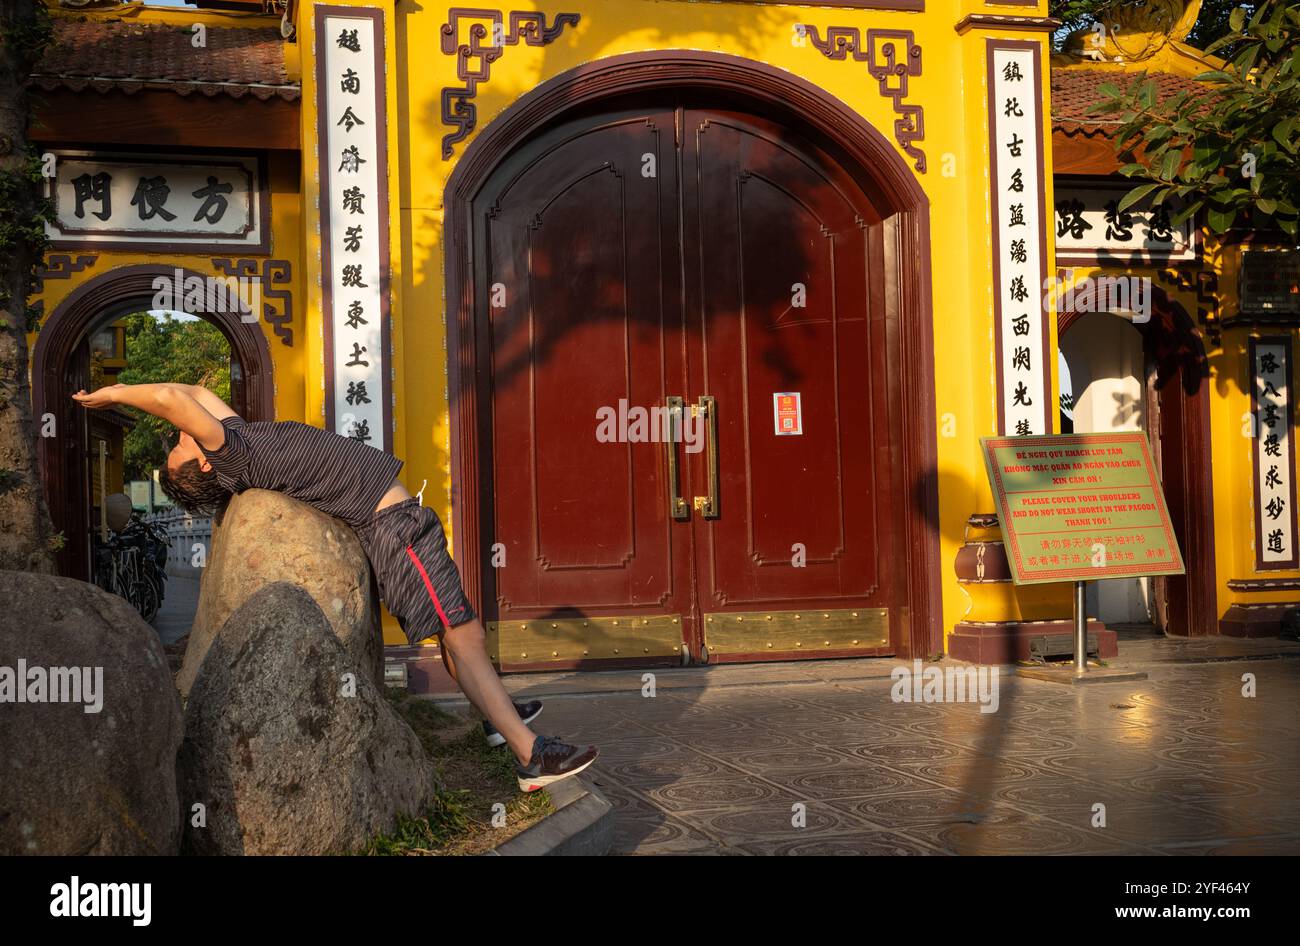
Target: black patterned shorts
(418,581)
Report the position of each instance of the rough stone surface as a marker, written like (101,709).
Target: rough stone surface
(73,782)
(266,537)
(283,758)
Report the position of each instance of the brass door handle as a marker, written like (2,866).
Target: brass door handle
(707,409)
(677,506)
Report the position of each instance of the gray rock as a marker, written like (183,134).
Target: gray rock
(282,759)
(267,537)
(77,782)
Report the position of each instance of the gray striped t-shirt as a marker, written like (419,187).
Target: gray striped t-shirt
(340,476)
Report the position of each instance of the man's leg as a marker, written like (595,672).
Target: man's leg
(466,646)
(447,662)
(421,586)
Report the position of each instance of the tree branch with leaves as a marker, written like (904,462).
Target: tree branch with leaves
(1231,152)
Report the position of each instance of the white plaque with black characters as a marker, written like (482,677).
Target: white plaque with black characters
(352,141)
(1274,453)
(1019,241)
(161,203)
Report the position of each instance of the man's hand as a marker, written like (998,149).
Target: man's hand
(104,397)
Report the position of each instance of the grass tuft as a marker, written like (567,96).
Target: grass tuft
(474,777)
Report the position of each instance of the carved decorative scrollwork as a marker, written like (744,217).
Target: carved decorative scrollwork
(487,43)
(58,266)
(892,58)
(273,273)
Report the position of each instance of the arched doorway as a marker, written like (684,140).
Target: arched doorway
(704,234)
(1153,375)
(59,367)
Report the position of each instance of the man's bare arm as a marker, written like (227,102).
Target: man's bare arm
(209,401)
(172,402)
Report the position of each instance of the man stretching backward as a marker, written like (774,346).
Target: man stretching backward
(219,454)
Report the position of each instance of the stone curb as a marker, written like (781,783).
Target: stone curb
(581,825)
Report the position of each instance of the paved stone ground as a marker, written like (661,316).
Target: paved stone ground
(717,760)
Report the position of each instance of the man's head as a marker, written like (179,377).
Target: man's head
(189,480)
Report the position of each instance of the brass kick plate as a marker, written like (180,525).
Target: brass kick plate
(593,638)
(754,632)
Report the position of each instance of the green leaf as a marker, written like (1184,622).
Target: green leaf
(1220,218)
(1186,212)
(1267,206)
(1169,165)
(1136,194)
(1147,93)
(1282,135)
(1158,134)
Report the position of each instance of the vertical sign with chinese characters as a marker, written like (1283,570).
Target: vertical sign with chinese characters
(1019,241)
(353,147)
(1274,453)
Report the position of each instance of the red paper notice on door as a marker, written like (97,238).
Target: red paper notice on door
(787,410)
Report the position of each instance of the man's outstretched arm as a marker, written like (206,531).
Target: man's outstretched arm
(172,402)
(209,401)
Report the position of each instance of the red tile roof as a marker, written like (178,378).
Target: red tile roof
(1074,91)
(118,54)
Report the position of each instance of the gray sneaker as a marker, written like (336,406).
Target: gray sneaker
(552,761)
(527,713)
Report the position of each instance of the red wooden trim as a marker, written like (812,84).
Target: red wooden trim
(161,119)
(1264,584)
(1002,21)
(867,154)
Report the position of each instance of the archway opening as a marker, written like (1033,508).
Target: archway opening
(1150,371)
(90,339)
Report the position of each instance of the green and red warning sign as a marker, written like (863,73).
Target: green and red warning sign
(1081,507)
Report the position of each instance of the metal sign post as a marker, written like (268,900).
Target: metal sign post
(1080,628)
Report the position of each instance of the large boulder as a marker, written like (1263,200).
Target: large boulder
(287,746)
(266,537)
(95,772)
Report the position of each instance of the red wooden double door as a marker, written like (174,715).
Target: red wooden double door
(700,262)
